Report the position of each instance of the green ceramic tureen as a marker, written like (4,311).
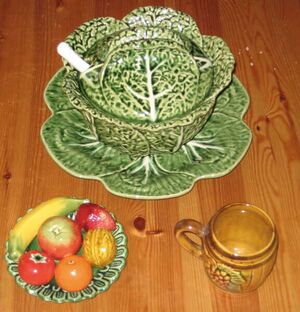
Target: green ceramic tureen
(153,79)
(151,87)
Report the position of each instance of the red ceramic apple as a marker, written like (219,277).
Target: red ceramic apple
(59,237)
(83,214)
(92,216)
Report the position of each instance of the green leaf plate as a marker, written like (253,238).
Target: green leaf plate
(103,278)
(72,142)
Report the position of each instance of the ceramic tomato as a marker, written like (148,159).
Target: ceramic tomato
(36,267)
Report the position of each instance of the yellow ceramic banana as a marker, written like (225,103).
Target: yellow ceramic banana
(27,228)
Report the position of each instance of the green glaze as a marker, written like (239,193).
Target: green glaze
(163,17)
(214,152)
(149,80)
(125,118)
(153,80)
(102,278)
(139,38)
(157,110)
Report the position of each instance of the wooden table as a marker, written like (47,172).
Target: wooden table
(160,276)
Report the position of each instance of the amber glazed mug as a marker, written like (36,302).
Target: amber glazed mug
(238,246)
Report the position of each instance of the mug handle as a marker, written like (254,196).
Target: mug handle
(190,226)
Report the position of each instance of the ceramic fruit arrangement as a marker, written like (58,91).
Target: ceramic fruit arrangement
(63,242)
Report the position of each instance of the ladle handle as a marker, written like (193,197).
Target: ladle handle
(72,57)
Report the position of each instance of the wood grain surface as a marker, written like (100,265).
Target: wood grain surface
(160,276)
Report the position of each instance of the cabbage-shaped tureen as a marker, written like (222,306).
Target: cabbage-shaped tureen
(153,79)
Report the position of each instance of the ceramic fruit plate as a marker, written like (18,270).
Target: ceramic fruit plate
(103,278)
(71,140)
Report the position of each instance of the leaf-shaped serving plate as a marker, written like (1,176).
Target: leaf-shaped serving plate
(71,140)
(103,278)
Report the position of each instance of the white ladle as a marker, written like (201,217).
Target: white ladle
(72,57)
